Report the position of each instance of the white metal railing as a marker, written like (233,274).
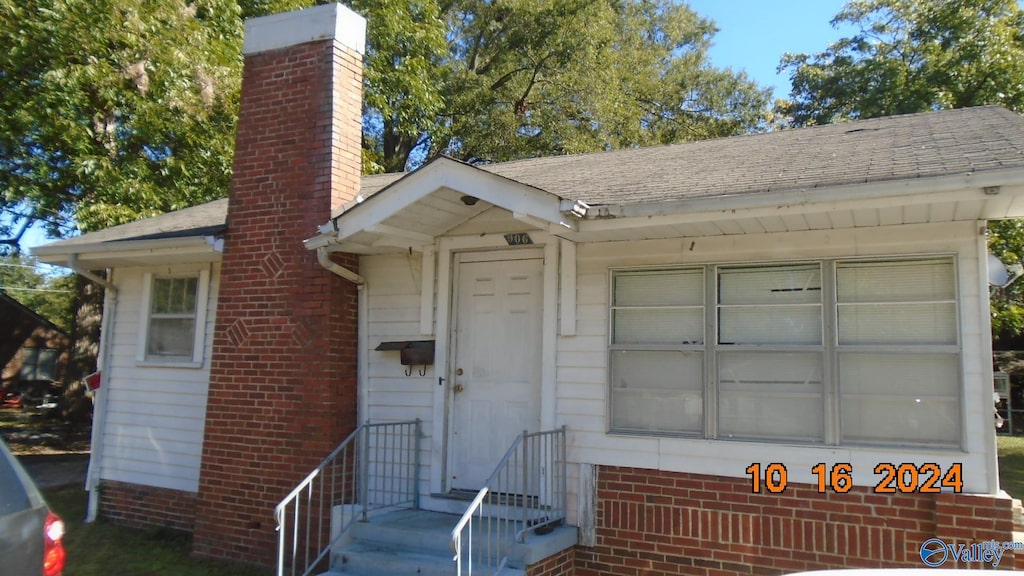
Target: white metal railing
(376,467)
(526,492)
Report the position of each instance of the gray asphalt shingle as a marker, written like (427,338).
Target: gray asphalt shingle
(931,144)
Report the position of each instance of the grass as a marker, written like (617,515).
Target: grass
(102,548)
(1011,465)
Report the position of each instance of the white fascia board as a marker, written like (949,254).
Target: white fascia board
(869,195)
(100,252)
(513,196)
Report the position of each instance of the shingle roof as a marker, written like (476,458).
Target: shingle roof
(894,148)
(930,144)
(207,219)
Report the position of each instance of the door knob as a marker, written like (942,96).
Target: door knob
(458,388)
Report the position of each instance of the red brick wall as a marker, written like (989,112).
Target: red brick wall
(653,522)
(561,564)
(283,375)
(147,507)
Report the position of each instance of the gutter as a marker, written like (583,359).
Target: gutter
(103,362)
(78,269)
(810,196)
(363,320)
(324,259)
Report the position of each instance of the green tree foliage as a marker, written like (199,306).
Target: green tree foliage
(49,296)
(488,81)
(114,110)
(917,55)
(911,56)
(535,78)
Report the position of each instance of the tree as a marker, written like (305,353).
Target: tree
(911,56)
(535,78)
(917,55)
(114,110)
(488,81)
(49,296)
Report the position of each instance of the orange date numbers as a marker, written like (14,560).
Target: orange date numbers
(905,478)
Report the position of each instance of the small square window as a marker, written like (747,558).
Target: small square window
(175,309)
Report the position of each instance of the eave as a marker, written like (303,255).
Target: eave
(121,253)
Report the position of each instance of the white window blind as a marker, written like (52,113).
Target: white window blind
(908,394)
(770,395)
(657,367)
(659,390)
(900,398)
(770,305)
(889,339)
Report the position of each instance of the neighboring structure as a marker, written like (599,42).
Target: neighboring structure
(33,351)
(693,314)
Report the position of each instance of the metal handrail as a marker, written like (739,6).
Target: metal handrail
(376,467)
(527,491)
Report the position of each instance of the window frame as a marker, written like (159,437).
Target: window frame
(195,360)
(830,349)
(39,350)
(701,348)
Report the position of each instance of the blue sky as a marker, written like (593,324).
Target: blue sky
(754,34)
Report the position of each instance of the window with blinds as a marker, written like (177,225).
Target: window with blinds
(898,353)
(770,382)
(834,352)
(657,356)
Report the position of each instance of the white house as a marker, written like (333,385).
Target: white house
(769,352)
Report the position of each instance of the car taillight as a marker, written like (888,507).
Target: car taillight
(54,555)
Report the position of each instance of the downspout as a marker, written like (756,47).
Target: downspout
(324,259)
(92,476)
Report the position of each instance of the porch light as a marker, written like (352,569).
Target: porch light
(469,200)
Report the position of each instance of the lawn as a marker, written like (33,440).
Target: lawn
(1011,465)
(104,549)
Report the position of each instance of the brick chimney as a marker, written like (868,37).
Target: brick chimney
(283,375)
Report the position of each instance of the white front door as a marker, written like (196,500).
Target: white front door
(497,362)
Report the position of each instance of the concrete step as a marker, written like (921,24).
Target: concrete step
(418,542)
(409,530)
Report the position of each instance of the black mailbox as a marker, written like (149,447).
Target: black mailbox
(413,353)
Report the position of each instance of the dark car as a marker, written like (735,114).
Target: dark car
(30,534)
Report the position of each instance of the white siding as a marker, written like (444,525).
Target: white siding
(155,413)
(583,359)
(393,303)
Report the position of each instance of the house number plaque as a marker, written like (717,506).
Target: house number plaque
(518,239)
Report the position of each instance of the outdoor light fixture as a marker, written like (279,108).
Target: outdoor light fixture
(469,200)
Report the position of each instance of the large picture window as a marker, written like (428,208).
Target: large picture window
(830,352)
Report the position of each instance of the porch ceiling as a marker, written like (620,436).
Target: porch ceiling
(415,226)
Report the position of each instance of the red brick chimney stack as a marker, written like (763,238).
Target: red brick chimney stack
(283,375)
